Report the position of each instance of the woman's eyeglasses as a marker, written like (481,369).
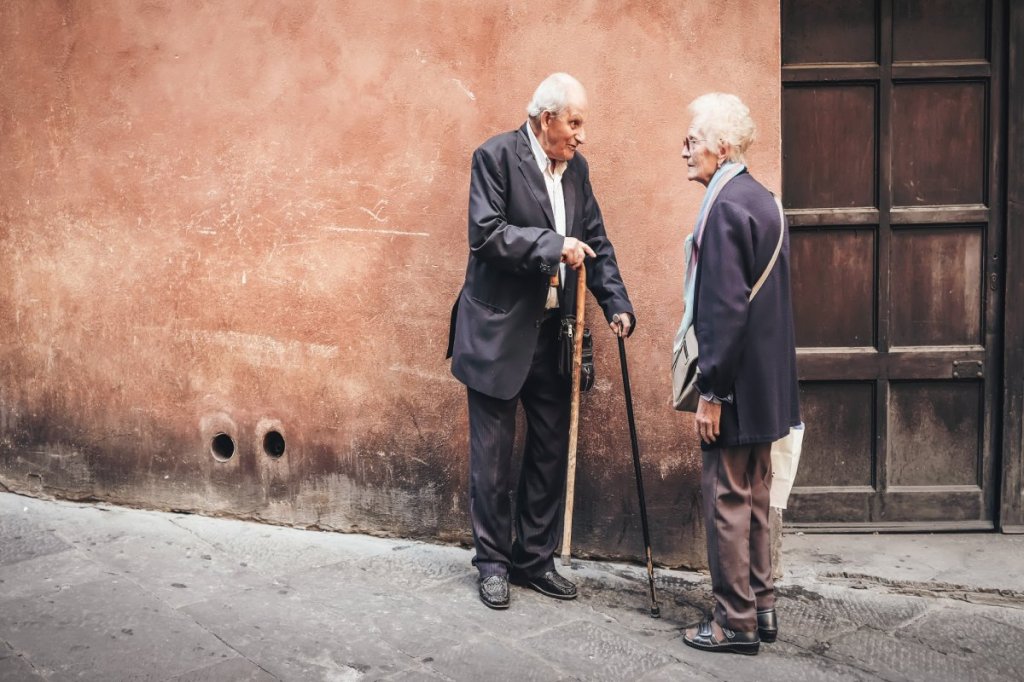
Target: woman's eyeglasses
(690,143)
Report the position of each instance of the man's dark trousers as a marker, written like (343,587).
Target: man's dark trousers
(492,423)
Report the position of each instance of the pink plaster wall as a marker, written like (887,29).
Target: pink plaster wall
(231,216)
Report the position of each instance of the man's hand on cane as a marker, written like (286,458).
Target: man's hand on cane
(574,252)
(621,324)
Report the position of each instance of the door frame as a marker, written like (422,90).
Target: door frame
(1011,508)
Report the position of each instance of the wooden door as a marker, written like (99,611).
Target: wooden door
(891,180)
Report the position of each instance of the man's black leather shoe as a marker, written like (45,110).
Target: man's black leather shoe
(550,584)
(494,591)
(767,625)
(735,642)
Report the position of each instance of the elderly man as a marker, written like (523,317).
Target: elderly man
(532,216)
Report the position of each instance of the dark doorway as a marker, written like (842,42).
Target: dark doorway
(891,126)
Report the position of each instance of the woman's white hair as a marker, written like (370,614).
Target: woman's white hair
(554,94)
(724,122)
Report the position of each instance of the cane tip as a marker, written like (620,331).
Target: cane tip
(655,611)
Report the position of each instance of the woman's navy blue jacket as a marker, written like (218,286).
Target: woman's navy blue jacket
(746,349)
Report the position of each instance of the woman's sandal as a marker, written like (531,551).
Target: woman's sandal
(746,643)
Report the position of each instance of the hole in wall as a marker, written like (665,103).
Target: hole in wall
(222,447)
(273,444)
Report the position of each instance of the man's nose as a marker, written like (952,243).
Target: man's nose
(581,136)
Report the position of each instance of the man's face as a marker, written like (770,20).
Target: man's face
(560,135)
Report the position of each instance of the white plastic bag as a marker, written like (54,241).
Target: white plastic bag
(785,460)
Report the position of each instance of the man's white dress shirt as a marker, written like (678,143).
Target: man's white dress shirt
(552,172)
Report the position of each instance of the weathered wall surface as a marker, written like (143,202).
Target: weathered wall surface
(249,217)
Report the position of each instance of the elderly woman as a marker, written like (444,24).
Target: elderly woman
(738,299)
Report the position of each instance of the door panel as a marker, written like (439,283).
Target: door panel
(833,287)
(839,411)
(936,290)
(939,30)
(814,143)
(934,433)
(821,31)
(938,143)
(896,226)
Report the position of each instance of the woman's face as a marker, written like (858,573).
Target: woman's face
(701,162)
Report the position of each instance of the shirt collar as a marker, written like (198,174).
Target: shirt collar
(543,162)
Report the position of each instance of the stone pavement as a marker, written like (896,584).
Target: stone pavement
(93,592)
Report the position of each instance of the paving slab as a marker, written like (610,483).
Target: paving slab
(235,669)
(529,613)
(813,617)
(969,634)
(482,657)
(981,561)
(14,666)
(891,658)
(593,652)
(24,538)
(410,565)
(277,550)
(295,638)
(105,630)
(777,662)
(48,574)
(677,672)
(177,568)
(420,674)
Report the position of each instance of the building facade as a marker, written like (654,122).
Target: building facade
(230,238)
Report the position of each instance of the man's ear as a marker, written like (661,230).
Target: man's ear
(545,119)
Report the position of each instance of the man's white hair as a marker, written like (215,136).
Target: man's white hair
(554,94)
(724,121)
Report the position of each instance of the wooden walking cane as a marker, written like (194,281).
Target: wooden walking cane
(574,412)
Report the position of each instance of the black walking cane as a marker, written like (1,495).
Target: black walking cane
(655,609)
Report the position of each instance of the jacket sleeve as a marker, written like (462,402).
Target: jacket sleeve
(513,248)
(723,296)
(603,277)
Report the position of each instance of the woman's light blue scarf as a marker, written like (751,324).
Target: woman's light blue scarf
(691,247)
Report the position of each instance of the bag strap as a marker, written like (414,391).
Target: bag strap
(775,256)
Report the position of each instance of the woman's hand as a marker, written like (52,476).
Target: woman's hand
(708,416)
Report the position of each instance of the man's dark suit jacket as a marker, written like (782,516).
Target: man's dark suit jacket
(513,251)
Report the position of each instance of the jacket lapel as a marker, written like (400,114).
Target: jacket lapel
(534,180)
(569,196)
